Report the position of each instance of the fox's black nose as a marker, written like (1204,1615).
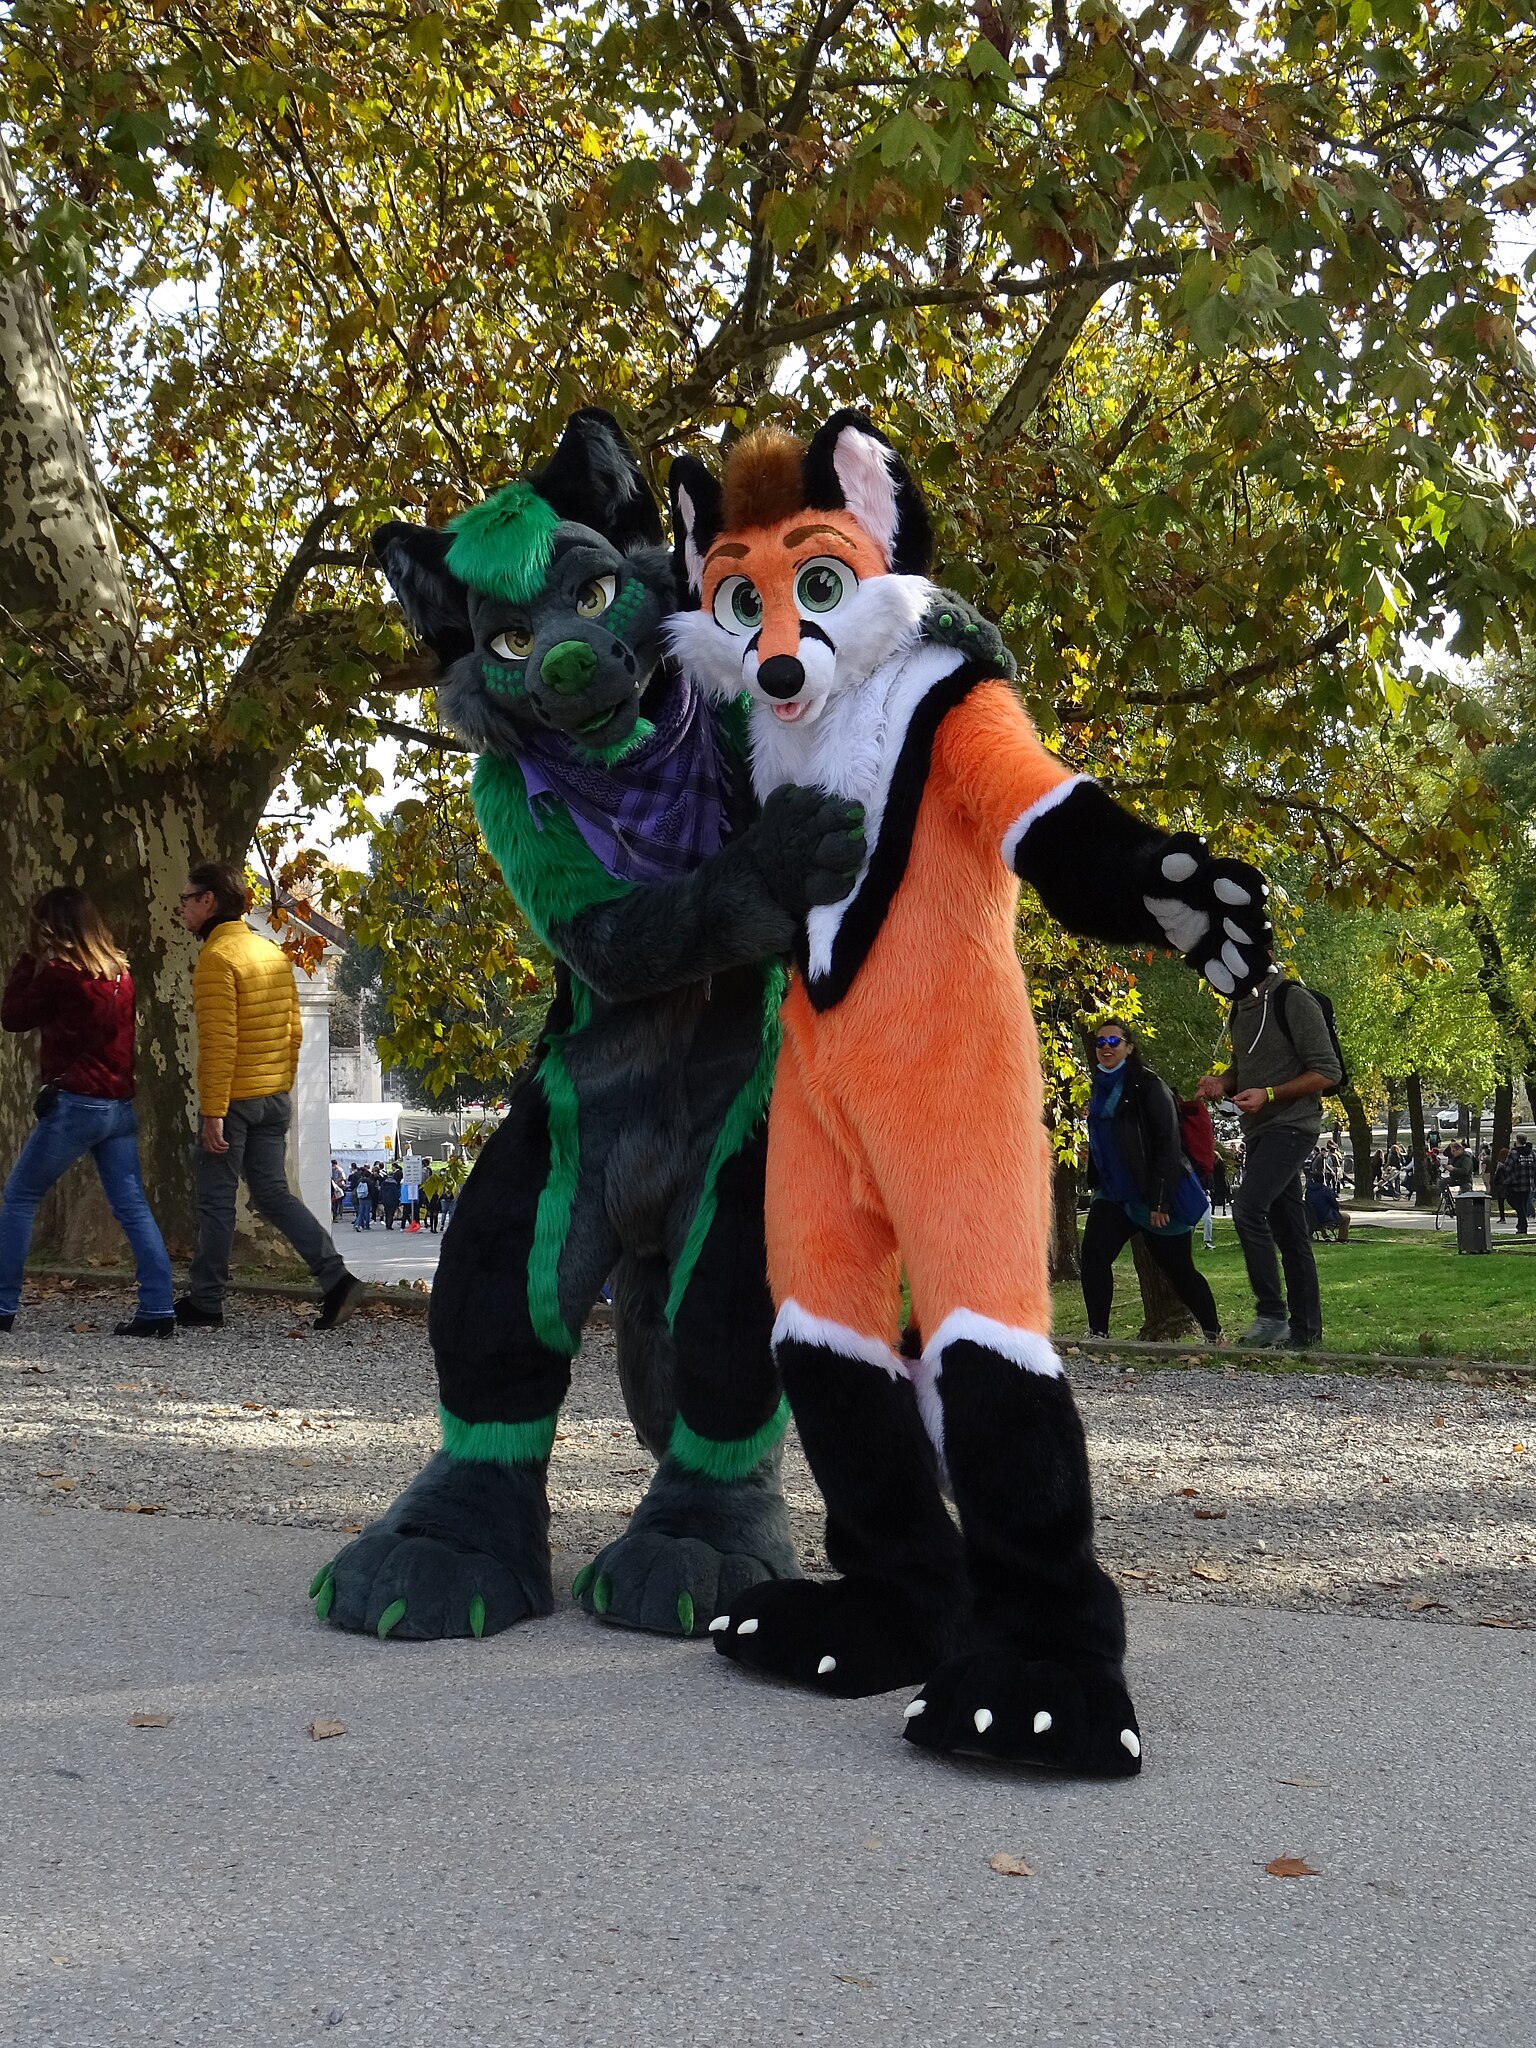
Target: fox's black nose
(781,675)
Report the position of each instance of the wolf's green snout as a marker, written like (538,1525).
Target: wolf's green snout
(569,666)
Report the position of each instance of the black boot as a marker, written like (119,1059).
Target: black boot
(900,1604)
(146,1326)
(191,1317)
(1045,1684)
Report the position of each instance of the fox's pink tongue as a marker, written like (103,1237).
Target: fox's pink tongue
(788,712)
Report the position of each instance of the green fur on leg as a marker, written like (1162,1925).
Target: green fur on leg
(727,1461)
(498,1443)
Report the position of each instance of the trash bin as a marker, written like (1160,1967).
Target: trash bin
(1474,1225)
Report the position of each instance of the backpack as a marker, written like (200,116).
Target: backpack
(1322,1002)
(1197,1136)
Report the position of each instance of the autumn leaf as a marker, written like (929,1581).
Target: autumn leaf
(1189,1492)
(1009,1866)
(322,1731)
(142,1507)
(1210,1514)
(1215,1571)
(858,1983)
(1307,1784)
(149,1720)
(1291,1866)
(82,1329)
(1421,1604)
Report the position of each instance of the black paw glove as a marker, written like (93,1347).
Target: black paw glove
(808,847)
(1211,911)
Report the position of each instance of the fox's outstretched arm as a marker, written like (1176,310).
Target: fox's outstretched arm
(1098,868)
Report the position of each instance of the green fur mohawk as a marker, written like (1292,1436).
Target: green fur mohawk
(503,546)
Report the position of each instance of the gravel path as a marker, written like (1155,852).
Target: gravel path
(1376,1494)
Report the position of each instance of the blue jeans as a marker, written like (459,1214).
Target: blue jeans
(109,1131)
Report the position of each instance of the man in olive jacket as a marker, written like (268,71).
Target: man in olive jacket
(1283,1063)
(248,1034)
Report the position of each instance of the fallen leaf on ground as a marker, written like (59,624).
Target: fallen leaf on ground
(1307,1784)
(1009,1866)
(127,1387)
(1421,1601)
(1291,1866)
(250,1404)
(142,1507)
(858,1983)
(1498,1621)
(59,1474)
(297,1332)
(64,1486)
(149,1720)
(82,1329)
(1189,1492)
(1216,1573)
(1210,1514)
(1127,1574)
(304,1463)
(322,1731)
(351,1528)
(874,1842)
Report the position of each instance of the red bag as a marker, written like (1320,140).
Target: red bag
(1198,1137)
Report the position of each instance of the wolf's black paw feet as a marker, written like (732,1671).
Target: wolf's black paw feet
(1017,1710)
(669,1585)
(419,1588)
(850,1637)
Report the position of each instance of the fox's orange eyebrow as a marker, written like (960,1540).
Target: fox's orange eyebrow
(793,540)
(727,547)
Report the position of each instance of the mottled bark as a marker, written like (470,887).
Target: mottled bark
(1066,1260)
(1164,1316)
(1503,1114)
(62,585)
(1423,1195)
(1360,1142)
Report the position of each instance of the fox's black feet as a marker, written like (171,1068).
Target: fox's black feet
(850,1637)
(464,1551)
(1018,1710)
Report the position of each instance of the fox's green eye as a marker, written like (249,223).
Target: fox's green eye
(821,584)
(738,605)
(594,598)
(514,642)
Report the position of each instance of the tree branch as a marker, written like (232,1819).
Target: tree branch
(114,504)
(1220,685)
(418,736)
(827,26)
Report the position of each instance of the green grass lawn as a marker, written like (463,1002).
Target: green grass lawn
(1400,1291)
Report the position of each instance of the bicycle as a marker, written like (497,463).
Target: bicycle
(1446,1204)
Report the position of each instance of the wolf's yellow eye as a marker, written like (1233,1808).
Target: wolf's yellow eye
(822,584)
(514,642)
(594,598)
(738,605)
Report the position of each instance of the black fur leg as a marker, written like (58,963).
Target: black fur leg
(848,1637)
(1012,1709)
(464,1551)
(692,1545)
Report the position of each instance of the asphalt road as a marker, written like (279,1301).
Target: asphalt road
(571,1835)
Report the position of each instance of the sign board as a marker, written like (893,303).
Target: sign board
(412,1165)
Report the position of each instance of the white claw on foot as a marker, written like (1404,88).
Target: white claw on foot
(1229,892)
(983,1719)
(1178,867)
(1042,1722)
(747,1628)
(1130,1741)
(720,1621)
(917,1707)
(827,1664)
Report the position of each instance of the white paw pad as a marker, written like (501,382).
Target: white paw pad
(917,1707)
(1178,867)
(747,1628)
(1130,1741)
(1233,958)
(982,1719)
(1183,926)
(721,1621)
(1235,931)
(1219,977)
(826,1666)
(1230,892)
(1042,1722)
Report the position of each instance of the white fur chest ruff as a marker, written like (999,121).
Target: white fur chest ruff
(851,750)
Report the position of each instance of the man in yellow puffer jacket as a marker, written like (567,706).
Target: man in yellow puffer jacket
(248,1034)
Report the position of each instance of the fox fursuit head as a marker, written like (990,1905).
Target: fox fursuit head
(905,1132)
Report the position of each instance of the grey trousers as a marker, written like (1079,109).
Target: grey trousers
(1268,1211)
(257,1130)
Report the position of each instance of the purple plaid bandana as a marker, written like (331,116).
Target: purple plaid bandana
(654,814)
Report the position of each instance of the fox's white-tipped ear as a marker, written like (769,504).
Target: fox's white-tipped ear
(695,496)
(850,466)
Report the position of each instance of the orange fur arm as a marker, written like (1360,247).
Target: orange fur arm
(995,759)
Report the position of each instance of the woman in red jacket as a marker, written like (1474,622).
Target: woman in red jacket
(73,985)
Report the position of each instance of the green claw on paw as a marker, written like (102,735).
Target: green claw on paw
(393,1614)
(477,1615)
(685,1613)
(602,1592)
(324,1598)
(319,1580)
(582,1580)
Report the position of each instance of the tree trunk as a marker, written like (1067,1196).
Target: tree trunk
(1360,1141)
(1422,1195)
(1392,1114)
(128,838)
(1503,1114)
(1066,1262)
(1164,1316)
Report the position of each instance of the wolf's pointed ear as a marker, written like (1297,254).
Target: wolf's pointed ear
(850,466)
(435,602)
(594,480)
(696,502)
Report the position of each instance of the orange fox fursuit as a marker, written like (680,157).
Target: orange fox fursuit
(906,1129)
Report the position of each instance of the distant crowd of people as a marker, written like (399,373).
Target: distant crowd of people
(379,1190)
